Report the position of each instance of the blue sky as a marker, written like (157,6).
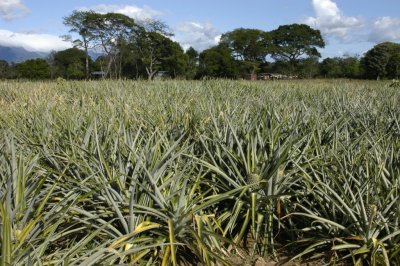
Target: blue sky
(348,26)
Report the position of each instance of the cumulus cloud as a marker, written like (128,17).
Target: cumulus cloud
(385,29)
(132,11)
(33,42)
(330,20)
(12,9)
(199,35)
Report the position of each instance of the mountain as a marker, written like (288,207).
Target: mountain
(18,54)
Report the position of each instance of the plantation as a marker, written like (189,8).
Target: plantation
(199,172)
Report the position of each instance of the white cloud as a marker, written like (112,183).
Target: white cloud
(385,29)
(132,11)
(33,42)
(12,9)
(330,20)
(197,34)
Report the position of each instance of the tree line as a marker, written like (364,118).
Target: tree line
(144,50)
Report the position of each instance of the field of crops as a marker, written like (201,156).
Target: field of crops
(199,172)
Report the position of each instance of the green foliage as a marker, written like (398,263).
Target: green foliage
(131,49)
(290,42)
(209,172)
(193,60)
(330,68)
(382,61)
(70,64)
(155,52)
(341,67)
(33,69)
(393,66)
(141,49)
(79,23)
(287,45)
(247,44)
(351,67)
(217,62)
(308,68)
(6,70)
(107,31)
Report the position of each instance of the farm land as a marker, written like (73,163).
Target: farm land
(212,172)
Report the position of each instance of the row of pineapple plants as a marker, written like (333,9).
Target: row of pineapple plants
(211,172)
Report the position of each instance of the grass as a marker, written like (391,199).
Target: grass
(211,172)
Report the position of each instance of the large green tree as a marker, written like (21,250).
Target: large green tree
(341,67)
(109,31)
(193,59)
(393,66)
(70,63)
(33,69)
(248,46)
(79,22)
(308,67)
(292,42)
(351,67)
(330,68)
(6,70)
(217,62)
(156,52)
(382,61)
(104,31)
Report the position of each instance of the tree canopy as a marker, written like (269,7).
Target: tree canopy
(70,64)
(6,71)
(129,48)
(291,42)
(247,44)
(158,53)
(192,62)
(217,62)
(79,23)
(33,69)
(382,61)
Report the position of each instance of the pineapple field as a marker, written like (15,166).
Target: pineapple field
(212,172)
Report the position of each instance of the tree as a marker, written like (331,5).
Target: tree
(382,61)
(154,25)
(79,23)
(341,67)
(308,67)
(193,59)
(281,67)
(249,46)
(157,52)
(330,68)
(110,31)
(33,69)
(217,62)
(350,67)
(175,60)
(104,31)
(6,71)
(393,66)
(70,63)
(291,42)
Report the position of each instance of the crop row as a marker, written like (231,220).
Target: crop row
(211,172)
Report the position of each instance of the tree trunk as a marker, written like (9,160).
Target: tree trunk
(86,59)
(87,66)
(150,73)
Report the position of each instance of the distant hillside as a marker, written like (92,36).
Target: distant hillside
(18,54)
